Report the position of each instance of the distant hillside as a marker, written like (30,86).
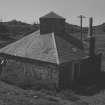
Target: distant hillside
(14,30)
(75,30)
(100,29)
(72,28)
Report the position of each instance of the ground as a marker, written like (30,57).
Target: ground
(12,95)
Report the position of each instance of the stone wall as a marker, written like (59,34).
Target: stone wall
(30,74)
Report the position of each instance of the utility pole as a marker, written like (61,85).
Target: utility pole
(91,27)
(1,20)
(81,21)
(92,38)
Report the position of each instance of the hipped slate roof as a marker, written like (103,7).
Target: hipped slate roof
(52,15)
(49,48)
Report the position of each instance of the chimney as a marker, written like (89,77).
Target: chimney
(91,38)
(52,22)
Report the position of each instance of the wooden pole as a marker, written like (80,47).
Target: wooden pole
(90,27)
(92,38)
(81,21)
(81,26)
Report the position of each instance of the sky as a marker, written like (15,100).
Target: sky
(30,10)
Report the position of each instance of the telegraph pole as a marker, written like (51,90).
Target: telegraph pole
(81,21)
(1,20)
(92,38)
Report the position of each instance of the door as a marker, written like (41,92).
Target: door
(76,71)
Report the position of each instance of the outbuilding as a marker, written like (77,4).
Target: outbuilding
(48,56)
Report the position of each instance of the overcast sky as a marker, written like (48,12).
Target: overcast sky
(30,10)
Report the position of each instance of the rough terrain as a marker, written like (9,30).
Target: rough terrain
(12,95)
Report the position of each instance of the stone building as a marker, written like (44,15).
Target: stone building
(48,55)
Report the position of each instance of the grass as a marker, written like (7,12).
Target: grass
(11,95)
